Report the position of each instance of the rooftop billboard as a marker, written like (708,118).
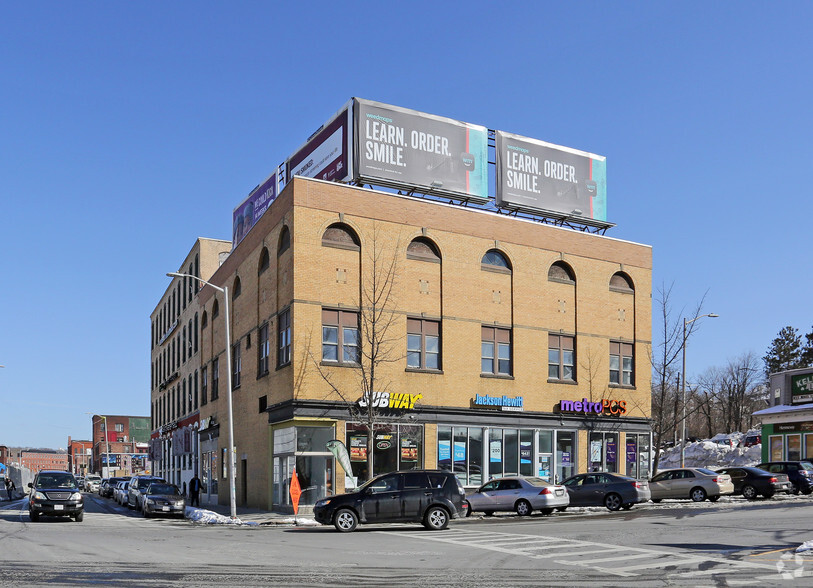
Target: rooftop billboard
(326,154)
(407,149)
(249,211)
(533,175)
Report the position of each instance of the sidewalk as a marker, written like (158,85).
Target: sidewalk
(263,517)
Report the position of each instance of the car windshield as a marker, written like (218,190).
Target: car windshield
(537,482)
(56,481)
(806,465)
(166,489)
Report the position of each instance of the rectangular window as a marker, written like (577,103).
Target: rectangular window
(204,386)
(284,333)
(423,344)
(561,358)
(621,363)
(263,351)
(263,403)
(118,427)
(340,336)
(496,351)
(215,378)
(237,365)
(195,406)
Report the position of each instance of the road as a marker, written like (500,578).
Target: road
(686,544)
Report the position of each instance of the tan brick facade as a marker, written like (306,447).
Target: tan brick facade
(459,292)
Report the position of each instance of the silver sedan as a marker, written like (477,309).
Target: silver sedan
(695,483)
(519,494)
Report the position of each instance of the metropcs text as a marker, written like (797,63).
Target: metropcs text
(522,171)
(385,142)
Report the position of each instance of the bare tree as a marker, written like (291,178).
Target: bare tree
(666,354)
(379,343)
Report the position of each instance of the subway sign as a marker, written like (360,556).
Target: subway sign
(606,406)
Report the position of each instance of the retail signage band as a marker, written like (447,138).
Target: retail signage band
(605,406)
(391,400)
(502,402)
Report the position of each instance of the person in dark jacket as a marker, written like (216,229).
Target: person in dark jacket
(194,491)
(10,488)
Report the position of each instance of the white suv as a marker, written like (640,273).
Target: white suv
(92,482)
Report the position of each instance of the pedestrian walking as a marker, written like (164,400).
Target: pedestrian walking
(194,491)
(10,488)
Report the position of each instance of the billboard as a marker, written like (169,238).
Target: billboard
(407,149)
(249,211)
(801,388)
(533,175)
(326,153)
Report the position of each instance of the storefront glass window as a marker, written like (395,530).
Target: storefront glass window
(809,446)
(395,447)
(596,463)
(643,456)
(611,452)
(777,448)
(526,452)
(445,448)
(495,453)
(565,455)
(459,454)
(510,453)
(794,447)
(475,456)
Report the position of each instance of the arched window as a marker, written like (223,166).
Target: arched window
(561,272)
(264,261)
(423,249)
(284,241)
(236,288)
(215,309)
(494,259)
(621,282)
(204,320)
(340,235)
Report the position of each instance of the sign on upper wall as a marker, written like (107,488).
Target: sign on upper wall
(326,154)
(249,211)
(407,149)
(533,175)
(801,388)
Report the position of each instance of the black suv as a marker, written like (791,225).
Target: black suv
(55,494)
(431,497)
(800,473)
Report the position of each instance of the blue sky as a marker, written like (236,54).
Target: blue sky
(128,129)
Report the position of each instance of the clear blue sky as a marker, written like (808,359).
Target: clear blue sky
(128,129)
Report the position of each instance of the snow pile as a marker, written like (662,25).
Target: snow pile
(806,547)
(207,517)
(710,454)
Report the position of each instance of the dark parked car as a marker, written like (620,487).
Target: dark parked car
(55,494)
(431,497)
(109,484)
(163,499)
(604,489)
(800,473)
(751,482)
(138,486)
(751,440)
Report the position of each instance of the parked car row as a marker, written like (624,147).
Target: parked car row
(149,494)
(433,497)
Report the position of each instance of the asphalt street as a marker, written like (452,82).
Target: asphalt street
(734,543)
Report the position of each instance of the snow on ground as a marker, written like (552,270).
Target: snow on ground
(806,547)
(208,517)
(710,454)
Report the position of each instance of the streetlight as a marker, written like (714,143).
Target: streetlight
(225,290)
(106,441)
(686,323)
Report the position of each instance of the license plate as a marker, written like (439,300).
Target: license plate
(58,507)
(559,492)
(165,508)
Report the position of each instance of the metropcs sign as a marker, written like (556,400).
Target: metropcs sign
(605,406)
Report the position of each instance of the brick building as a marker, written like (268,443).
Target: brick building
(43,460)
(80,456)
(120,445)
(518,347)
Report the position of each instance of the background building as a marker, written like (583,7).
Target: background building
(80,456)
(38,460)
(787,426)
(120,445)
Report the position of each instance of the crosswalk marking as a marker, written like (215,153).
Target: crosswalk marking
(554,548)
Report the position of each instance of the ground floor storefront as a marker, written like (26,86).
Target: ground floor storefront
(476,444)
(787,432)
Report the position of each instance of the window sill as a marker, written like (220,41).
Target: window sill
(497,376)
(283,365)
(622,386)
(423,371)
(345,364)
(262,374)
(565,382)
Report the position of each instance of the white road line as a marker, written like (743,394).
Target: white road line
(663,563)
(592,561)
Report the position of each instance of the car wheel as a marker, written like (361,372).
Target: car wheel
(768,495)
(627,506)
(794,488)
(546,511)
(612,501)
(468,509)
(523,508)
(656,500)
(436,518)
(345,520)
(33,516)
(807,491)
(749,492)
(698,494)
(561,508)
(145,513)
(714,498)
(79,517)
(488,513)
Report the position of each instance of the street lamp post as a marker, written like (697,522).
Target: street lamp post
(225,291)
(106,442)
(686,323)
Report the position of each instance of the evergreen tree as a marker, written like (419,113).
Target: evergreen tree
(807,350)
(785,352)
